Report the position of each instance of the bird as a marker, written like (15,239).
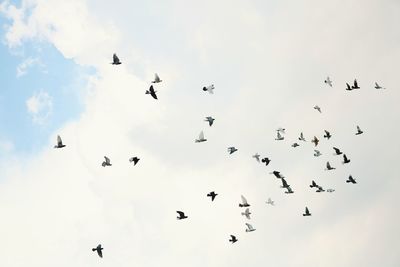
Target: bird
(328,81)
(289,190)
(315,141)
(59,143)
(210,120)
(281,130)
(201,138)
(320,189)
(247,213)
(318,108)
(232,149)
(156,79)
(244,202)
(351,180)
(284,183)
(330,190)
(135,160)
(99,250)
(181,215)
(115,60)
(327,134)
(212,195)
(257,157)
(337,151)
(317,153)
(266,161)
(277,174)
(279,136)
(301,138)
(329,167)
(355,86)
(209,88)
(345,159)
(249,228)
(348,88)
(358,130)
(295,145)
(270,202)
(377,86)
(307,213)
(152,92)
(233,239)
(106,162)
(313,184)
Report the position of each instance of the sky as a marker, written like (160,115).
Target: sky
(268,61)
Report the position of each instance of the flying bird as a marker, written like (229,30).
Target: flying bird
(355,86)
(295,145)
(152,92)
(328,81)
(337,151)
(106,162)
(284,183)
(277,174)
(249,228)
(156,79)
(233,239)
(270,202)
(135,160)
(301,138)
(351,180)
(99,250)
(209,88)
(59,143)
(210,120)
(358,130)
(257,157)
(315,141)
(232,149)
(318,108)
(289,190)
(247,213)
(266,161)
(329,167)
(317,153)
(244,202)
(281,130)
(330,190)
(348,88)
(327,134)
(320,189)
(307,213)
(313,184)
(212,195)
(279,136)
(115,60)
(181,215)
(345,159)
(201,138)
(377,86)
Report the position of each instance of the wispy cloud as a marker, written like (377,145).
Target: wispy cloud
(40,107)
(23,67)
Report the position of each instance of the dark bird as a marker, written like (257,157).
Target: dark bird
(210,120)
(152,92)
(59,143)
(307,213)
(315,141)
(328,81)
(284,183)
(313,184)
(329,167)
(337,151)
(233,239)
(279,136)
(327,134)
(317,108)
(99,250)
(244,202)
(348,88)
(355,86)
(301,138)
(106,162)
(320,189)
(295,145)
(345,159)
(232,149)
(209,88)
(277,174)
(212,195)
(377,86)
(358,130)
(135,160)
(156,79)
(181,215)
(266,161)
(115,60)
(351,180)
(289,190)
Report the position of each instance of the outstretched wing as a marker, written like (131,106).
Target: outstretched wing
(244,200)
(181,214)
(307,211)
(107,160)
(201,135)
(355,83)
(156,78)
(249,226)
(115,58)
(59,141)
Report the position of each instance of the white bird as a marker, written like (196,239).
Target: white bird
(317,153)
(328,81)
(201,138)
(377,86)
(257,157)
(156,79)
(249,228)
(106,162)
(247,213)
(210,120)
(317,108)
(270,202)
(209,88)
(279,136)
(244,202)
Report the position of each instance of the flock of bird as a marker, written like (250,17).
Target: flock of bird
(280,135)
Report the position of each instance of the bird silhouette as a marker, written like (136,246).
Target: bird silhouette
(106,162)
(277,174)
(59,143)
(266,161)
(330,190)
(351,180)
(99,250)
(307,213)
(281,130)
(289,190)
(317,153)
(244,202)
(377,86)
(348,87)
(247,213)
(233,239)
(320,189)
(329,167)
(257,157)
(313,184)
(345,159)
(295,145)
(284,183)
(270,202)
(358,130)
(156,79)
(327,134)
(212,195)
(317,108)
(249,228)
(135,160)
(315,141)
(232,149)
(210,120)
(328,81)
(301,138)
(201,138)
(181,215)
(115,60)
(152,92)
(209,88)
(355,86)
(279,136)
(337,151)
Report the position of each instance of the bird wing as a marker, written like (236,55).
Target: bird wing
(244,200)
(307,211)
(181,214)
(328,166)
(156,78)
(100,253)
(345,157)
(355,83)
(337,150)
(115,58)
(249,226)
(107,159)
(201,135)
(279,135)
(358,128)
(348,86)
(284,183)
(59,141)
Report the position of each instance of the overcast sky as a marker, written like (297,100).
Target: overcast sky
(268,61)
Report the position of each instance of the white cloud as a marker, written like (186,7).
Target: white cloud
(29,62)
(40,107)
(268,62)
